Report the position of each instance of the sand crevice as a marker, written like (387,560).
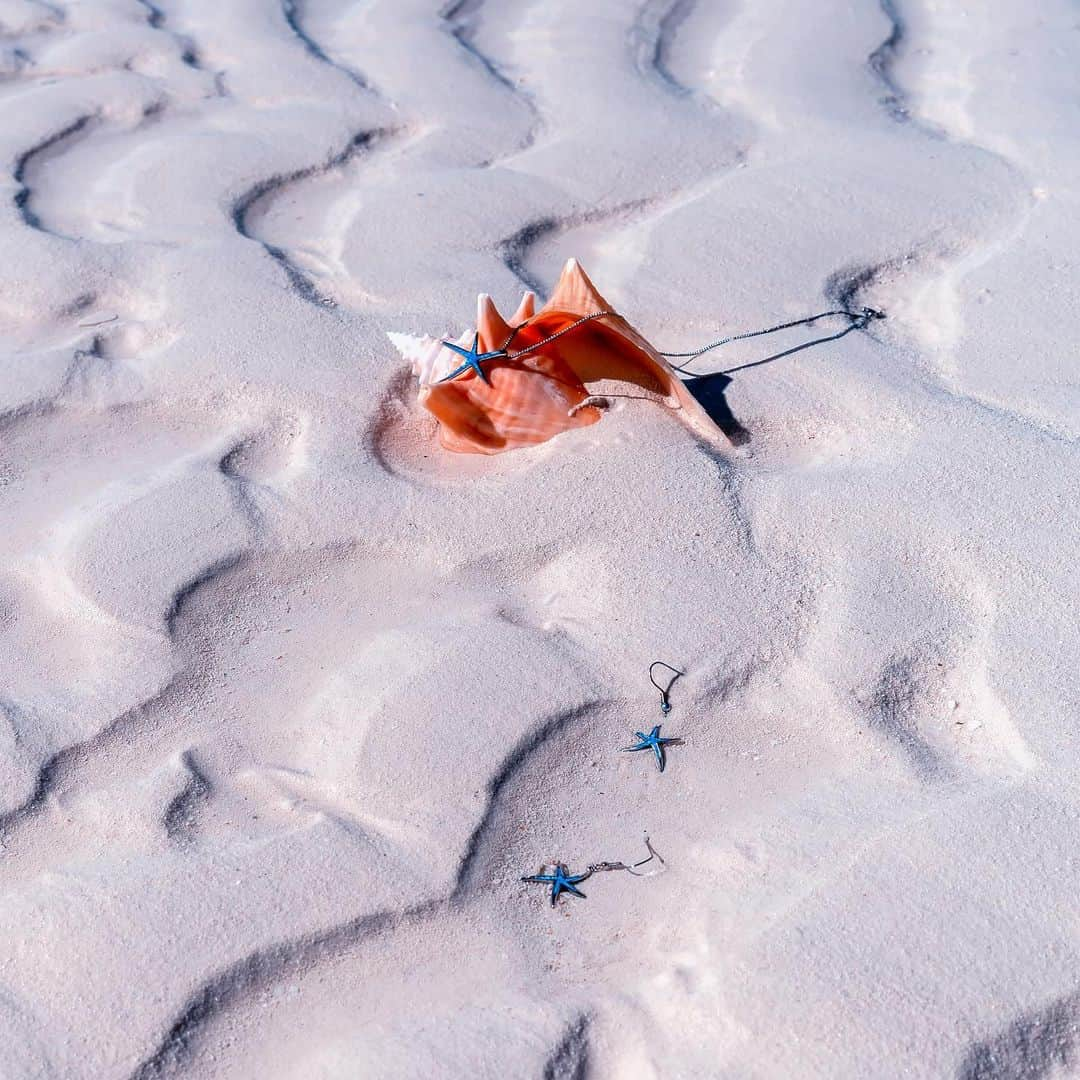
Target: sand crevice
(293,10)
(181,819)
(1036,1046)
(570,1059)
(30,160)
(254,202)
(652,36)
(462,18)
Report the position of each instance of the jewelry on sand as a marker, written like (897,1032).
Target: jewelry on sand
(563,881)
(653,742)
(665,705)
(631,868)
(857,320)
(526,380)
(473,359)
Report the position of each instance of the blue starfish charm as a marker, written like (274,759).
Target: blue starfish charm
(473,359)
(653,742)
(561,880)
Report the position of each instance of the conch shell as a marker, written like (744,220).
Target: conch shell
(543,393)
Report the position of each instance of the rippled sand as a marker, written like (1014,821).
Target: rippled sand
(290,699)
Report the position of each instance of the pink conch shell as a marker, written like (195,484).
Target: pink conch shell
(543,393)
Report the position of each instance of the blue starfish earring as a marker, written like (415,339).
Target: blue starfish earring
(473,359)
(561,881)
(653,742)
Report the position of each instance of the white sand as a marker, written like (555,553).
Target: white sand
(292,699)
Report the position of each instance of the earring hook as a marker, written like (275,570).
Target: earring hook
(631,868)
(665,705)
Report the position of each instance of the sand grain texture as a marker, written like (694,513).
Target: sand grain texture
(290,699)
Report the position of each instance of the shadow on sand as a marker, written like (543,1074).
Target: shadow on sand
(709,389)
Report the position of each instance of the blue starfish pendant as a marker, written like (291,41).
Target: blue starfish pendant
(562,880)
(653,742)
(473,359)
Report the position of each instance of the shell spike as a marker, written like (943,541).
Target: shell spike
(575,293)
(492,327)
(526,309)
